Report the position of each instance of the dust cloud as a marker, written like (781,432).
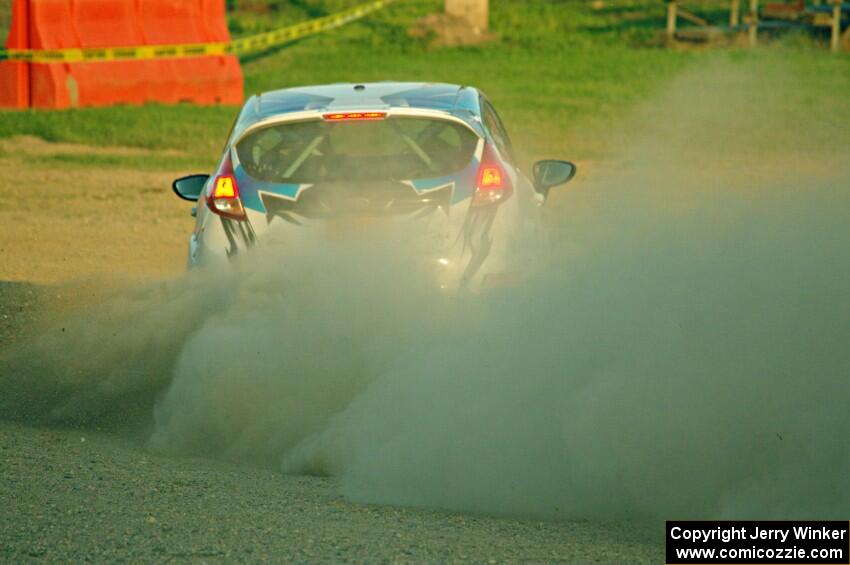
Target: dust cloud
(303,331)
(685,355)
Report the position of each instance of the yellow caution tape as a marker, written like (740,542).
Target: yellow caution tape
(241,46)
(91,55)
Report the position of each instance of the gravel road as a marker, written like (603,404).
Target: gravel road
(721,389)
(78,495)
(73,495)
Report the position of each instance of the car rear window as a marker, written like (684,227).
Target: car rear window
(396,148)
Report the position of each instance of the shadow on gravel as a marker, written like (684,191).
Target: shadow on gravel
(18,301)
(95,352)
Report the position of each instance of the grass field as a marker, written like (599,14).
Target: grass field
(561,73)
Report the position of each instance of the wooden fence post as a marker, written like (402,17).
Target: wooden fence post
(836,25)
(734,12)
(672,8)
(754,22)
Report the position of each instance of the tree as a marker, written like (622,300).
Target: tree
(476,12)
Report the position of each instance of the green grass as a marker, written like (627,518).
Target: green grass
(196,129)
(152,162)
(560,72)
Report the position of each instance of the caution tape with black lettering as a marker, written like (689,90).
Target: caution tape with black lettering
(241,46)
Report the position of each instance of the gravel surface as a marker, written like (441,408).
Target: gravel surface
(18,302)
(76,495)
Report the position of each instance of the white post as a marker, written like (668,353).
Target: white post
(476,12)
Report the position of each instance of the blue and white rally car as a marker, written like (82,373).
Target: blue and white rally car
(435,156)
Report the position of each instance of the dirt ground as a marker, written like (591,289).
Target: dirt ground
(66,222)
(78,495)
(75,495)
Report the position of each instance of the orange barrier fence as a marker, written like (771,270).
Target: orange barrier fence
(88,24)
(14,75)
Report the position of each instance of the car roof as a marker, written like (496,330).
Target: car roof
(438,96)
(460,101)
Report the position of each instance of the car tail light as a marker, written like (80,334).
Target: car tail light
(341,116)
(224,195)
(493,183)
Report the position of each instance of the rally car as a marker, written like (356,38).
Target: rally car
(435,157)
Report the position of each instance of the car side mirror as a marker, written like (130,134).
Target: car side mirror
(550,172)
(190,187)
